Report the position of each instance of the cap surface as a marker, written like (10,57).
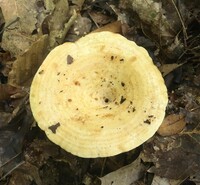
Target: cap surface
(99,96)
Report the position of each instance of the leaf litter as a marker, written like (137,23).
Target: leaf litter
(169,30)
(17,36)
(129,174)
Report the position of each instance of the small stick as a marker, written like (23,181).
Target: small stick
(182,22)
(9,24)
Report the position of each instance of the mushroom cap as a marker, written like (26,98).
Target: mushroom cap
(99,96)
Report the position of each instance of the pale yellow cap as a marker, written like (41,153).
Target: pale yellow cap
(99,96)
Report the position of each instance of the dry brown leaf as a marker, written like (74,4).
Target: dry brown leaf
(114,27)
(167,68)
(27,64)
(20,18)
(172,124)
(99,18)
(129,174)
(17,43)
(24,9)
(9,10)
(6,91)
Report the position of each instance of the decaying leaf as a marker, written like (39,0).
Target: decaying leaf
(11,142)
(2,21)
(27,64)
(161,21)
(25,10)
(79,3)
(121,16)
(25,174)
(57,22)
(40,150)
(18,14)
(167,68)
(17,43)
(8,118)
(49,5)
(172,124)
(4,118)
(164,181)
(90,180)
(129,174)
(6,91)
(114,27)
(99,18)
(196,178)
(174,157)
(81,26)
(9,11)
(5,66)
(59,15)
(177,164)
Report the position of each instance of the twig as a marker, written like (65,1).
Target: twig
(190,44)
(93,20)
(7,162)
(68,25)
(103,167)
(194,109)
(182,23)
(9,24)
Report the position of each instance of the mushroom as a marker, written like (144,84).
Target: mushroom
(98,97)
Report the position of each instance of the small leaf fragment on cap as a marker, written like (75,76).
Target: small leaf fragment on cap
(70,59)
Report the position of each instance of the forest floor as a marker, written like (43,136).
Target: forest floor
(168,30)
